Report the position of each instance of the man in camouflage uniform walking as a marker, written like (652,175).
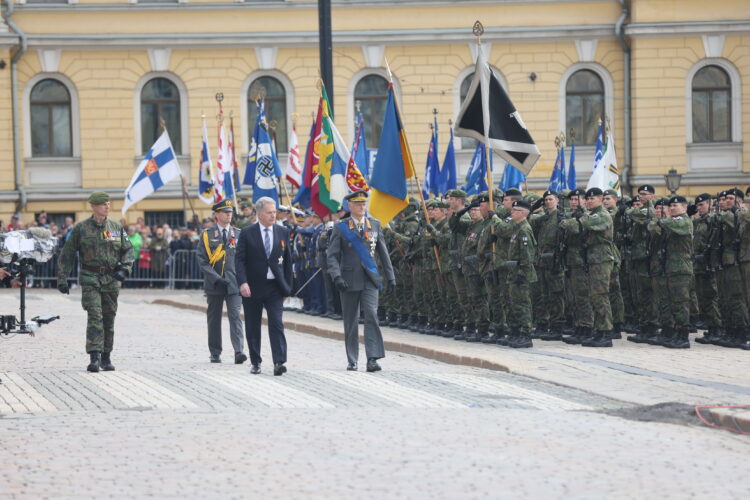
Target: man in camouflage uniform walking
(106,256)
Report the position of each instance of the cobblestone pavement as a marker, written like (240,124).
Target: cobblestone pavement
(168,424)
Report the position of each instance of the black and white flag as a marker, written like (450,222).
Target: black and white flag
(488,115)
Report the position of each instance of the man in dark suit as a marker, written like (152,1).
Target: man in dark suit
(216,253)
(355,243)
(264,273)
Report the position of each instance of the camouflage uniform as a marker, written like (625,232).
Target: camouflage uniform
(705,279)
(521,274)
(458,224)
(102,248)
(578,300)
(474,284)
(640,284)
(550,272)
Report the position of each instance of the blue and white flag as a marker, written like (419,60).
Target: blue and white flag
(606,174)
(571,178)
(359,148)
(431,181)
(158,167)
(448,170)
(262,170)
(557,179)
(476,177)
(599,148)
(512,178)
(206,180)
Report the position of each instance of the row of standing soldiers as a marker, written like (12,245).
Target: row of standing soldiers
(581,268)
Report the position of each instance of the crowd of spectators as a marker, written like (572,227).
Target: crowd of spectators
(161,253)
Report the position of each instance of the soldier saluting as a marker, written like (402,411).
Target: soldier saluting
(106,255)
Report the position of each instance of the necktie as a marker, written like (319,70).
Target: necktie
(361,228)
(224,236)
(267,241)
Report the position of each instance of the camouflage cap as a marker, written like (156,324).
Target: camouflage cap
(456,193)
(98,198)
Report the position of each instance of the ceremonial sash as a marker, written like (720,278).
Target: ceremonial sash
(359,247)
(216,255)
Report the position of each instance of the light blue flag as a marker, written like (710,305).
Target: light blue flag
(476,177)
(448,170)
(571,178)
(262,170)
(599,148)
(431,181)
(512,178)
(359,148)
(555,180)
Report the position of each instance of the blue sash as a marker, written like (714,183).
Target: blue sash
(359,247)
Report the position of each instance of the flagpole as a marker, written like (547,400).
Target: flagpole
(233,166)
(185,194)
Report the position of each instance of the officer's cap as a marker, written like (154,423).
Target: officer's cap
(285,209)
(677,199)
(513,192)
(610,192)
(357,196)
(522,204)
(550,192)
(702,197)
(648,188)
(98,198)
(576,192)
(456,193)
(222,206)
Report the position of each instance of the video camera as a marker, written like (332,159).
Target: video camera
(20,250)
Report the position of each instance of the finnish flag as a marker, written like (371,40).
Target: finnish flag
(158,167)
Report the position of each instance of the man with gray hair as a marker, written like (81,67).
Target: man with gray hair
(264,273)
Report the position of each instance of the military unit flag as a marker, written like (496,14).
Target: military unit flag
(293,166)
(206,180)
(262,170)
(606,174)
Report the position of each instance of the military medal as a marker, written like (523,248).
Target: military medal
(281,260)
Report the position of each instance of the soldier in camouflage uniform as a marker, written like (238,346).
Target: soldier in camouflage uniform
(677,268)
(458,313)
(705,279)
(105,255)
(616,298)
(436,299)
(246,218)
(550,266)
(521,274)
(470,266)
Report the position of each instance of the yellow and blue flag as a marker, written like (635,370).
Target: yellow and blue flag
(393,165)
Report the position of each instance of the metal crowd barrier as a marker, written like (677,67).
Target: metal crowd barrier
(180,271)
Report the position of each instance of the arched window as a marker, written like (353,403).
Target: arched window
(372,94)
(584,106)
(160,99)
(51,130)
(275,105)
(712,110)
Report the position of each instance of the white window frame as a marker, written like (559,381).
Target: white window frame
(735,96)
(75,117)
(350,105)
(288,90)
(184,119)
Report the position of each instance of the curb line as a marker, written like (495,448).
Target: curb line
(731,419)
(391,345)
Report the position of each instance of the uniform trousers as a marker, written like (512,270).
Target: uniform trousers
(214,317)
(351,302)
(100,302)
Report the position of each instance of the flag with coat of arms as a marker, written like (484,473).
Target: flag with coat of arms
(206,180)
(158,167)
(262,170)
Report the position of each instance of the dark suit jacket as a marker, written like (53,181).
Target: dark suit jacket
(343,260)
(252,264)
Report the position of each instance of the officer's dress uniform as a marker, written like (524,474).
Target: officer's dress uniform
(216,253)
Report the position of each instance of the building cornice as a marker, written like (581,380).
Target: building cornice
(310,38)
(698,28)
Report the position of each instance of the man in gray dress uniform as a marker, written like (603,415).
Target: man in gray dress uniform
(216,250)
(355,249)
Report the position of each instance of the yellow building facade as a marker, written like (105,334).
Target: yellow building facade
(671,77)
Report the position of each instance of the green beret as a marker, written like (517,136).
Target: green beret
(98,198)
(531,197)
(611,192)
(456,193)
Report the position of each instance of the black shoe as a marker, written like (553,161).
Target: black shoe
(492,339)
(553,334)
(279,369)
(352,367)
(575,338)
(106,364)
(600,339)
(520,341)
(239,358)
(215,358)
(372,365)
(680,340)
(255,369)
(93,362)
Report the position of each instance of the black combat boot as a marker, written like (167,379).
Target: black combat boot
(598,339)
(616,332)
(554,333)
(381,314)
(680,339)
(709,336)
(463,333)
(107,365)
(94,362)
(422,326)
(385,320)
(657,336)
(640,335)
(519,340)
(575,337)
(402,320)
(477,334)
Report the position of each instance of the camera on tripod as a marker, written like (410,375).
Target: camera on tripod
(20,250)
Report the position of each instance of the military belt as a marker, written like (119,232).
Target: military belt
(97,269)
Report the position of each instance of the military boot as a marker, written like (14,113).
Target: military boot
(554,333)
(680,339)
(94,362)
(475,335)
(598,339)
(422,326)
(449,330)
(575,337)
(709,336)
(107,365)
(519,340)
(402,320)
(462,334)
(381,314)
(657,336)
(616,332)
(640,335)
(746,344)
(496,332)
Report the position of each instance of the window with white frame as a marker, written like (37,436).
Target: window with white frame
(712,110)
(371,92)
(51,122)
(275,105)
(584,106)
(160,100)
